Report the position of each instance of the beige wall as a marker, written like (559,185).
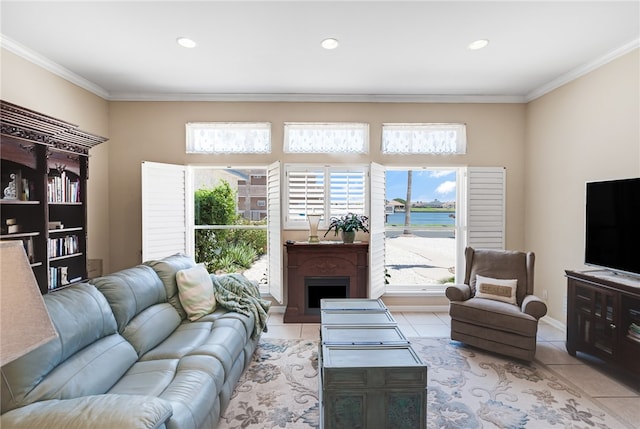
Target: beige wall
(155,131)
(586,130)
(30,86)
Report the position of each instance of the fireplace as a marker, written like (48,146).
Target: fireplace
(323,270)
(317,288)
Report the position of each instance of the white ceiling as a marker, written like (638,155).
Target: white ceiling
(267,50)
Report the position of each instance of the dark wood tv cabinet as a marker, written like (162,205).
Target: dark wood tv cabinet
(601,306)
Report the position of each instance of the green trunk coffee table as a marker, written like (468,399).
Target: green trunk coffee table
(370,376)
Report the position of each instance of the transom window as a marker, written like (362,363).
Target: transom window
(228,137)
(331,191)
(313,137)
(408,138)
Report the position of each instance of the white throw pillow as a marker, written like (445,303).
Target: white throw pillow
(496,289)
(195,289)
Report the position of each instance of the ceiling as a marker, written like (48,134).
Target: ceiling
(267,50)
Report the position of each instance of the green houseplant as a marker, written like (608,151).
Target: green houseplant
(348,225)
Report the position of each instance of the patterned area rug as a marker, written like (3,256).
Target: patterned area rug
(467,389)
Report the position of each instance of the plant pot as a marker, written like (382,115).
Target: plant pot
(348,236)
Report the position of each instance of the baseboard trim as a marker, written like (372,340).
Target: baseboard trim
(555,323)
(418,308)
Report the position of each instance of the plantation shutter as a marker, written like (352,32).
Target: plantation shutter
(377,232)
(275,248)
(346,192)
(306,193)
(486,207)
(165,211)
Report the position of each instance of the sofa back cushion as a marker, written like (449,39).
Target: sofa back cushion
(167,268)
(130,291)
(139,302)
(87,357)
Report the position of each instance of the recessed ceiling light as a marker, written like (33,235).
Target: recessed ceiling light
(478,44)
(330,43)
(185,42)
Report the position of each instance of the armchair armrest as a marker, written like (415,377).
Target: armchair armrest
(458,292)
(534,306)
(96,412)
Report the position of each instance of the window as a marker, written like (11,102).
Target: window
(228,137)
(315,137)
(332,191)
(420,228)
(220,226)
(405,139)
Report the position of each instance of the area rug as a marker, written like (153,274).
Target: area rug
(467,389)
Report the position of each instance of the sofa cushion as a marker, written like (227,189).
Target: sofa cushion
(193,393)
(166,269)
(95,412)
(498,289)
(130,291)
(492,315)
(184,339)
(195,290)
(151,327)
(221,315)
(88,357)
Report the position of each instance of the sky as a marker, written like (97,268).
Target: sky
(426,185)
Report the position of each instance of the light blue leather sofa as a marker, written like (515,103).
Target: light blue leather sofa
(127,357)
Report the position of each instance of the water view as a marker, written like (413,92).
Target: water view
(423,218)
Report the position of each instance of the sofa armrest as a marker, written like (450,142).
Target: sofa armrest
(96,412)
(458,292)
(534,306)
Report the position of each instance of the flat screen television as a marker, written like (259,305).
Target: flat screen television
(612,225)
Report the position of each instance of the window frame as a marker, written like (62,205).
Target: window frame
(191,128)
(416,127)
(327,127)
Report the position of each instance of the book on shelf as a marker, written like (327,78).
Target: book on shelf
(62,189)
(58,276)
(67,245)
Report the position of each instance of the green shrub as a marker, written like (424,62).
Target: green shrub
(225,250)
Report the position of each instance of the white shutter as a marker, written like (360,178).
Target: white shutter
(306,191)
(486,207)
(275,248)
(347,191)
(164,210)
(377,233)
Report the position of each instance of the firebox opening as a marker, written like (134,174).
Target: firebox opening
(317,288)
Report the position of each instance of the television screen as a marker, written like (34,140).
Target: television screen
(612,238)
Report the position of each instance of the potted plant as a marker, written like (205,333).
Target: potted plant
(348,225)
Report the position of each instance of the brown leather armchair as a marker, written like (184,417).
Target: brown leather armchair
(495,308)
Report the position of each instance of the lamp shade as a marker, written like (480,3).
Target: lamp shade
(24,321)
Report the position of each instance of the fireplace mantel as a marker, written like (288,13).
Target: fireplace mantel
(334,261)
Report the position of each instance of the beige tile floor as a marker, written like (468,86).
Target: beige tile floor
(611,388)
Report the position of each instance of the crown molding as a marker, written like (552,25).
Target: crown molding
(582,70)
(321,98)
(55,68)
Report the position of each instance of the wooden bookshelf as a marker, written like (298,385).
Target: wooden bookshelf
(44,183)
